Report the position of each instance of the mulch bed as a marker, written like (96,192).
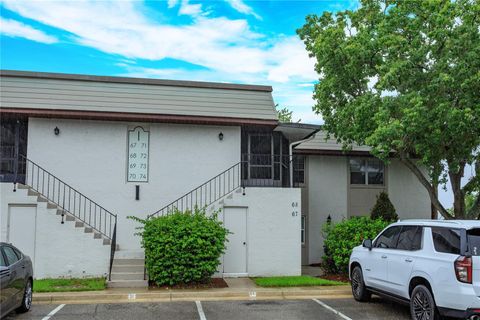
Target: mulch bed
(335,277)
(212,283)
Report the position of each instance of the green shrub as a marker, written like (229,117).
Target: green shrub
(342,237)
(383,208)
(182,247)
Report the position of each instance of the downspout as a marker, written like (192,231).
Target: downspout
(290,152)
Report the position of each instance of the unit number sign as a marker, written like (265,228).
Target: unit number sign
(138,143)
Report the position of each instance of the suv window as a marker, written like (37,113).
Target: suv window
(446,240)
(410,238)
(10,254)
(473,238)
(388,239)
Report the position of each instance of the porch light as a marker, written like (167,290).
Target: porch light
(220,136)
(56,131)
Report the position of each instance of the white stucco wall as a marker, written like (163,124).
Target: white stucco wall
(91,156)
(61,250)
(273,233)
(407,194)
(327,195)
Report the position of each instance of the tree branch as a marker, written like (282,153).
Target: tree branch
(423,180)
(474,181)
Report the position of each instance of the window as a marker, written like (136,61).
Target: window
(446,240)
(473,237)
(303,225)
(388,239)
(410,238)
(10,254)
(2,260)
(298,170)
(366,171)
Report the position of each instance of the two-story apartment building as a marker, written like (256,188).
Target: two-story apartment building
(89,151)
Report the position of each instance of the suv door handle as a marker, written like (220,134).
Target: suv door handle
(384,257)
(409,260)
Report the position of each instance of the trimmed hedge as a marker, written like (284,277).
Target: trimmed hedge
(182,247)
(341,238)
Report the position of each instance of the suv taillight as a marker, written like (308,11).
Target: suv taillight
(463,269)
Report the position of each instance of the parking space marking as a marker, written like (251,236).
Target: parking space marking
(201,314)
(48,316)
(326,306)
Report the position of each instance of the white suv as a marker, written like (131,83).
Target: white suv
(433,265)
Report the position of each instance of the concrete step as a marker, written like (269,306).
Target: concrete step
(127,284)
(97,235)
(51,205)
(32,193)
(22,186)
(127,276)
(107,242)
(128,268)
(130,254)
(69,217)
(78,224)
(41,199)
(131,262)
(88,229)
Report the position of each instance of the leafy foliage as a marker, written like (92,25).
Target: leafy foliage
(284,114)
(404,78)
(341,238)
(383,208)
(182,247)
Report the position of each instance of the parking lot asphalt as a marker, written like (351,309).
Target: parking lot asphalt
(325,309)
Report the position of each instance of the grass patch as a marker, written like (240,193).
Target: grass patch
(295,281)
(64,285)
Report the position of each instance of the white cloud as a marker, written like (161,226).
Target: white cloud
(227,49)
(14,28)
(242,7)
(190,9)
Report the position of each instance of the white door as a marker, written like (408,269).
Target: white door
(235,258)
(22,229)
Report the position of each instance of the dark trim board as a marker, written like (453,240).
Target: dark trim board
(162,82)
(332,152)
(137,117)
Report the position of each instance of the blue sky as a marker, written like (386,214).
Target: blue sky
(224,41)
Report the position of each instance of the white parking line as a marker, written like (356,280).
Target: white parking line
(201,314)
(48,316)
(326,306)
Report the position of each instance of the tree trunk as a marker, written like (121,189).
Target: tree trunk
(458,193)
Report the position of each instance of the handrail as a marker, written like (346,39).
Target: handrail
(238,175)
(231,178)
(62,194)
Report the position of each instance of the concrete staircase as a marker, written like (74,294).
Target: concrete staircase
(128,270)
(68,217)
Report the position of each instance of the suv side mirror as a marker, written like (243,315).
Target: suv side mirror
(367,243)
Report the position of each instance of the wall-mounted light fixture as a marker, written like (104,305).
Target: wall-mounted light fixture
(56,131)
(220,136)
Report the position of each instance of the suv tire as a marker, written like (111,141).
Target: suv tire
(359,290)
(422,304)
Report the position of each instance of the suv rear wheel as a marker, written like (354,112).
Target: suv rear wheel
(359,291)
(422,304)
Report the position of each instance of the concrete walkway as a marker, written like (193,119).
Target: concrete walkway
(239,289)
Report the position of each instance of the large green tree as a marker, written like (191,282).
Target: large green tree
(404,78)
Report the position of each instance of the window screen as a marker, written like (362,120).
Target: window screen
(410,238)
(446,240)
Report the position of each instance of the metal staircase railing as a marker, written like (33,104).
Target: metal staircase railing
(70,201)
(207,193)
